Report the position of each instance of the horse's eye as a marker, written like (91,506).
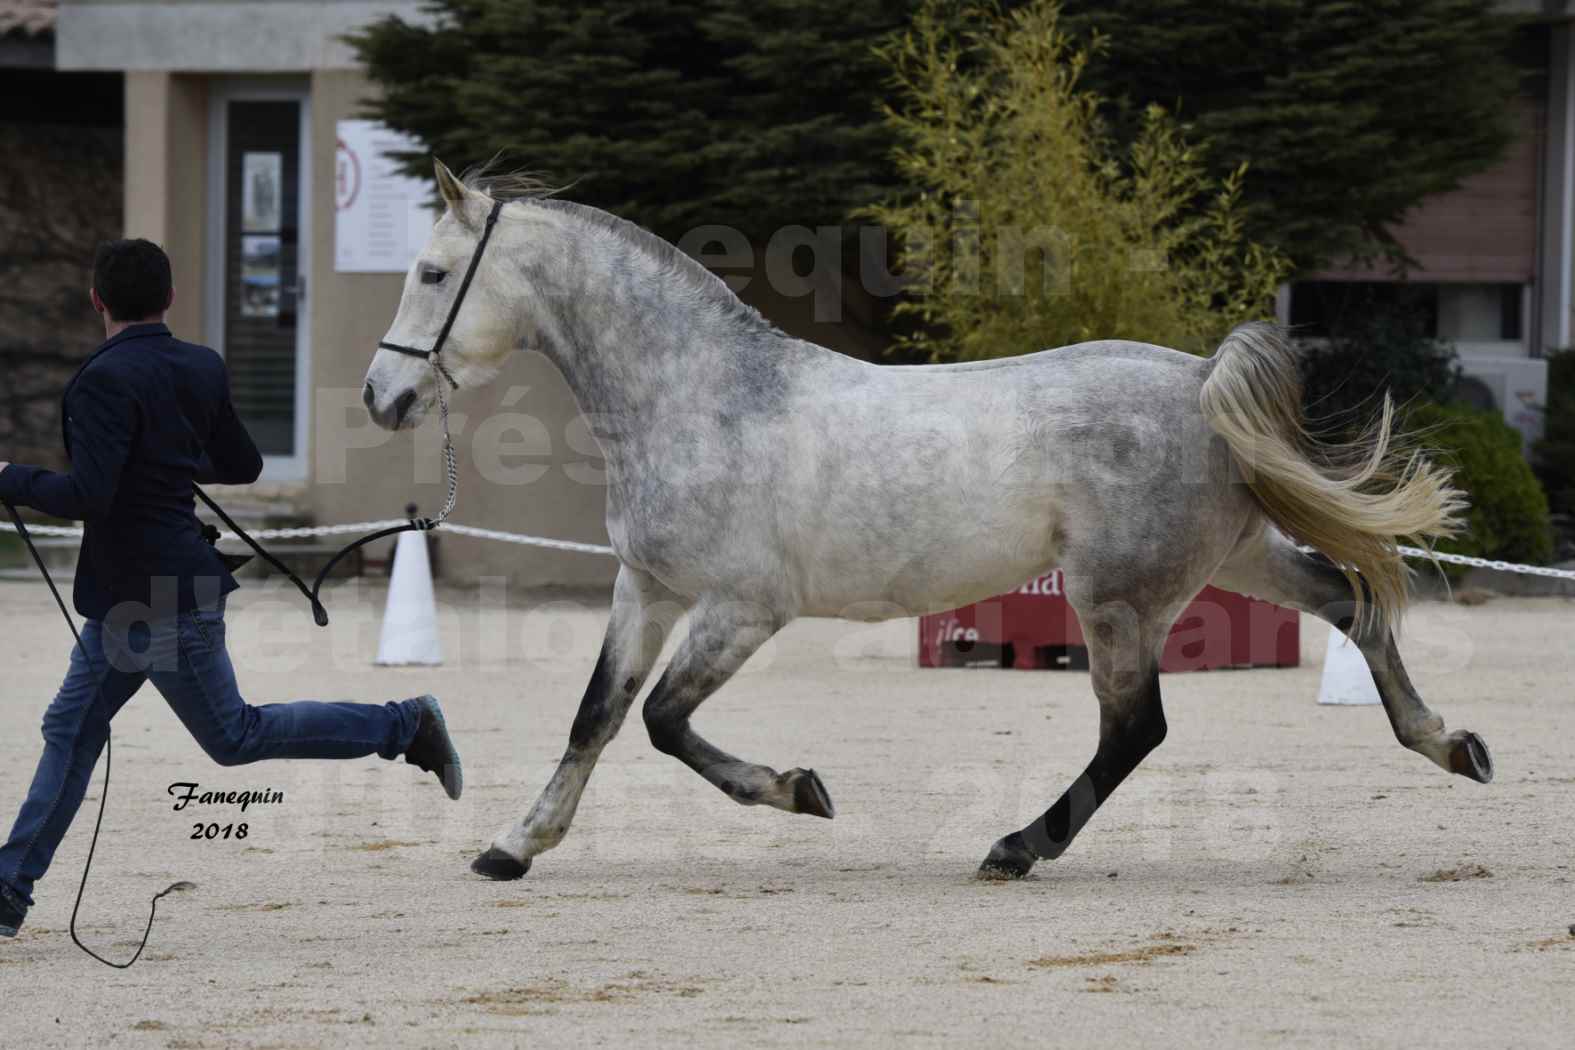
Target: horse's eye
(433,276)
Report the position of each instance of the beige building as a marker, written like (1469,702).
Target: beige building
(1494,270)
(211,85)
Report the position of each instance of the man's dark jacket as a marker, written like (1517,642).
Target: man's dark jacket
(144,417)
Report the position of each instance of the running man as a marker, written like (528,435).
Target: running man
(143,419)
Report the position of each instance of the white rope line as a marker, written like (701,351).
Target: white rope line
(1476,563)
(529,541)
(67,532)
(360,527)
(44,530)
(1489,563)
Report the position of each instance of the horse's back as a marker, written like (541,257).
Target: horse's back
(1061,356)
(937,484)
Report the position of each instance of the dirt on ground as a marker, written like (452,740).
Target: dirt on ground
(1277,874)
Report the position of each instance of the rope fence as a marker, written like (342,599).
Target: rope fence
(1489,563)
(358,528)
(495,535)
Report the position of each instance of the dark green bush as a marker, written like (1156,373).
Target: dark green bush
(1554,455)
(1509,511)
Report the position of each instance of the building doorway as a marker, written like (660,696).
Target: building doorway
(259,212)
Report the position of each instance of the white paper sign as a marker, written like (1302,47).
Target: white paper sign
(382,218)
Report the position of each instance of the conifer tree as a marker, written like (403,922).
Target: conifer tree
(1347,113)
(671,113)
(761,113)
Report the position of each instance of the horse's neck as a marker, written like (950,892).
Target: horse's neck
(624,371)
(634,339)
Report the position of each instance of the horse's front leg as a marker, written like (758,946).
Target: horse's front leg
(722,636)
(643,613)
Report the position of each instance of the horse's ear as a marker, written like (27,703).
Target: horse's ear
(451,188)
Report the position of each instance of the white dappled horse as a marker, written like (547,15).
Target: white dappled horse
(753,478)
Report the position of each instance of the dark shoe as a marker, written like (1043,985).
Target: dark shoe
(432,751)
(10,917)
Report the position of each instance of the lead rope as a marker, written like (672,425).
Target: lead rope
(262,552)
(450,463)
(314,593)
(109,754)
(451,472)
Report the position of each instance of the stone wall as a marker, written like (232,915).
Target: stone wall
(60,194)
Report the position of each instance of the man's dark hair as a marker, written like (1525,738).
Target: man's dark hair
(133,279)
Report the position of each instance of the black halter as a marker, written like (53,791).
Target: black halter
(432,355)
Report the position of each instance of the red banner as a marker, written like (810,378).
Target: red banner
(1034,628)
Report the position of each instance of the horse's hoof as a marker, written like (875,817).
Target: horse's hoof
(1009,859)
(497,865)
(809,794)
(1470,758)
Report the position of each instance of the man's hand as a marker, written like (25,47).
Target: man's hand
(3,464)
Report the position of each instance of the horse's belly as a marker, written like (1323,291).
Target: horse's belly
(937,565)
(940,594)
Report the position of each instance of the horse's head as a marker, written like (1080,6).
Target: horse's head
(400,386)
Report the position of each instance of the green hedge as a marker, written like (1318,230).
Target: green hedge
(1509,511)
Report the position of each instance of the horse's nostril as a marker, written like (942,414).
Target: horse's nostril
(402,406)
(368,395)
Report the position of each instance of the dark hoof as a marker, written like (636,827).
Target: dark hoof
(809,794)
(1470,758)
(1009,859)
(499,866)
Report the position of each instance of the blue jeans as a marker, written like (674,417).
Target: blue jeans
(186,660)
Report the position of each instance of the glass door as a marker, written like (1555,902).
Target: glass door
(258,252)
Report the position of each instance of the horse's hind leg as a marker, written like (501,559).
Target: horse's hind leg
(1123,655)
(1271,567)
(722,635)
(640,623)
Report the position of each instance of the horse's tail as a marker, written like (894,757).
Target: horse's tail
(1353,500)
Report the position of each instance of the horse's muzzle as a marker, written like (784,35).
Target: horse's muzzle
(391,417)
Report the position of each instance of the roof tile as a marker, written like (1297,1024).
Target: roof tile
(29,18)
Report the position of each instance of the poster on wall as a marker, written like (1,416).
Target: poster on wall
(260,275)
(262,183)
(381,217)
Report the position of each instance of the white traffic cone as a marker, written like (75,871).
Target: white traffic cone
(1346,678)
(410,633)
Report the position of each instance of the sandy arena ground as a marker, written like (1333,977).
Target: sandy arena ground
(1277,874)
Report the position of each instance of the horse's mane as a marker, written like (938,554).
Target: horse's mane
(516,185)
(530,188)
